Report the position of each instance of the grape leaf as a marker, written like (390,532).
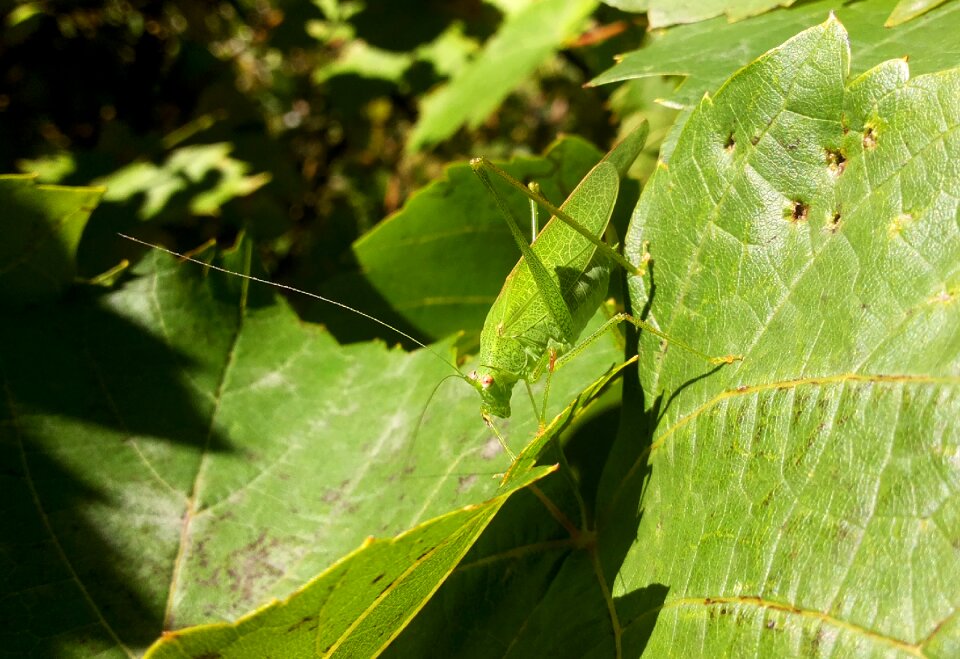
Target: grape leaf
(183,449)
(804,501)
(41,225)
(357,606)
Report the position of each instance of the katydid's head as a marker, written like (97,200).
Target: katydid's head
(495,388)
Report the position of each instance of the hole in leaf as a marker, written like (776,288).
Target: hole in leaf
(869,138)
(836,161)
(730,143)
(799,212)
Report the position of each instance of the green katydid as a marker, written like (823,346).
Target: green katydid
(551,293)
(557,286)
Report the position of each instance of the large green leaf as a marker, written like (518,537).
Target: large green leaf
(183,450)
(359,605)
(41,227)
(804,501)
(793,505)
(707,53)
(526,38)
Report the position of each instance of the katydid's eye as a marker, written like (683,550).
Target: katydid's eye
(486,381)
(472,375)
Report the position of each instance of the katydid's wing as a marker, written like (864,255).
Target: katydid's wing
(520,309)
(547,286)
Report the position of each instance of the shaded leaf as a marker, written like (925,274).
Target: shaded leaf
(805,500)
(41,228)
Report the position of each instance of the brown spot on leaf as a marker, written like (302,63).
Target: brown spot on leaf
(730,143)
(834,222)
(303,621)
(869,138)
(836,161)
(799,212)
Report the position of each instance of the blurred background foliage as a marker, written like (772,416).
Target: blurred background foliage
(289,121)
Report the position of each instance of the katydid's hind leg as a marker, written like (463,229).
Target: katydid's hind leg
(481,166)
(642,325)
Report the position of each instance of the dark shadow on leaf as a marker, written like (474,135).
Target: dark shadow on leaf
(62,572)
(348,327)
(73,375)
(676,392)
(83,362)
(638,611)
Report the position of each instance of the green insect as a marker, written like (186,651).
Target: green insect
(535,323)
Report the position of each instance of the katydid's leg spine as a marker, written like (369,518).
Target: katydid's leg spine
(484,164)
(645,326)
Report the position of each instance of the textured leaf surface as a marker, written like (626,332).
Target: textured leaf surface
(442,259)
(527,38)
(41,227)
(807,500)
(709,52)
(356,607)
(183,450)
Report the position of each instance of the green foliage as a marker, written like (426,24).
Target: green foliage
(193,468)
(907,10)
(523,42)
(784,497)
(42,229)
(707,53)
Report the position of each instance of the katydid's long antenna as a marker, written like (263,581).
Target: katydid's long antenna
(292,289)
